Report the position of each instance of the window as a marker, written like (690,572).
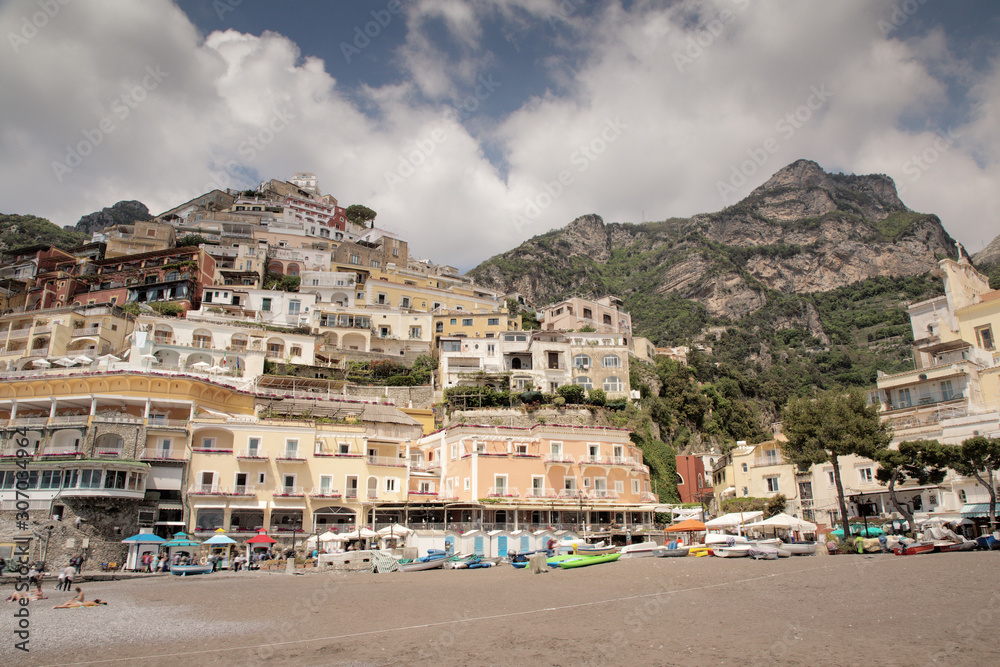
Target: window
(493,321)
(381,298)
(635,486)
(584,382)
(612,383)
(343,448)
(946,391)
(830,479)
(90,479)
(291,449)
(865,474)
(208,443)
(51,479)
(607,319)
(611,361)
(288,484)
(772,484)
(744,467)
(391,484)
(581,362)
(903,397)
(466,321)
(260,478)
(404,302)
(451,346)
(468,483)
(265,305)
(588,314)
(414,332)
(293,307)
(295,351)
(962,496)
(985,337)
(491,349)
(439,327)
(376,264)
(454,451)
(115,479)
(355,259)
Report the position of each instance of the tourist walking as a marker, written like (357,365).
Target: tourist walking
(66,578)
(34,576)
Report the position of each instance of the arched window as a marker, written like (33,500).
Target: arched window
(611,361)
(171,275)
(612,383)
(584,382)
(581,362)
(680,480)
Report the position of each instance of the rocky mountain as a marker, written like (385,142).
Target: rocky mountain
(122,213)
(990,254)
(803,231)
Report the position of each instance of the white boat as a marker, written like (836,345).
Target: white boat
(421,565)
(678,552)
(800,548)
(725,540)
(639,550)
(763,553)
(598,549)
(738,551)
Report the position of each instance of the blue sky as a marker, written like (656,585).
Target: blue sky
(471,126)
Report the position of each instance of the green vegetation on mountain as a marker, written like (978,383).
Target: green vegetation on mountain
(17,231)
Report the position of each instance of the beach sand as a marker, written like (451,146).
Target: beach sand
(822,610)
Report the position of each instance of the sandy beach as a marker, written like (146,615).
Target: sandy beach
(822,610)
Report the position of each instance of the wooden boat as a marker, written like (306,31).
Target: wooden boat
(740,551)
(664,552)
(800,548)
(184,570)
(913,549)
(639,550)
(421,565)
(946,547)
(584,561)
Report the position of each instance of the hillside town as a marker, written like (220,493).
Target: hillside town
(224,366)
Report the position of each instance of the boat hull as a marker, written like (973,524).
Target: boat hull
(671,553)
(763,553)
(596,551)
(731,552)
(585,561)
(914,550)
(640,550)
(800,548)
(416,566)
(184,570)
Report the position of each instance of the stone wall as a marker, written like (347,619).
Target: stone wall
(507,417)
(103,522)
(421,396)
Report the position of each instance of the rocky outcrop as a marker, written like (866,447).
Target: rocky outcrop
(802,231)
(122,213)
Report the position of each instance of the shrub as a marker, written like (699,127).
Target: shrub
(559,401)
(169,309)
(573,393)
(531,397)
(597,397)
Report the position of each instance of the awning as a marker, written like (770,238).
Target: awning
(975,510)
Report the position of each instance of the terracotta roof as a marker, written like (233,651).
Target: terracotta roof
(990,296)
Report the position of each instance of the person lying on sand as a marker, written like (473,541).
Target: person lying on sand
(34,595)
(78,601)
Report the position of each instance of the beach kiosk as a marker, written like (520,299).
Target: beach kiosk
(259,543)
(181,544)
(140,545)
(221,545)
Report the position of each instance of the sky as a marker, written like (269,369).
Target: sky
(470,127)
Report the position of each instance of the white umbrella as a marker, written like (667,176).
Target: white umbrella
(783,520)
(84,359)
(394,529)
(44,363)
(216,369)
(64,361)
(201,365)
(108,358)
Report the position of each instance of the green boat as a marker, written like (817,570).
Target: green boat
(584,561)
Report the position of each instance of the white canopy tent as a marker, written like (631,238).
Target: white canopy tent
(734,520)
(789,522)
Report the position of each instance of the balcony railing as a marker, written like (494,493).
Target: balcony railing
(207,490)
(19,333)
(351,493)
(647,497)
(395,462)
(593,458)
(44,328)
(372,494)
(541,493)
(244,489)
(28,421)
(169,424)
(558,458)
(761,461)
(161,454)
(603,494)
(251,455)
(118,419)
(62,450)
(425,466)
(109,453)
(290,492)
(204,344)
(502,492)
(324,493)
(163,340)
(86,331)
(572,493)
(39,352)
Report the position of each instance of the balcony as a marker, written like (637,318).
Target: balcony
(324,493)
(290,457)
(86,331)
(27,422)
(290,492)
(109,453)
(447,495)
(425,466)
(251,455)
(39,352)
(206,490)
(202,343)
(44,328)
(167,424)
(572,494)
(19,333)
(502,492)
(647,497)
(541,493)
(163,340)
(762,461)
(351,494)
(564,459)
(244,490)
(63,450)
(161,454)
(118,419)
(390,461)
(372,494)
(593,458)
(603,494)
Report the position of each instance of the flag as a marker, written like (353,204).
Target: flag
(224,359)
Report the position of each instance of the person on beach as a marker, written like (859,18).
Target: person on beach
(79,601)
(66,578)
(34,576)
(156,563)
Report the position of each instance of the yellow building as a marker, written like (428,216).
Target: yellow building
(466,324)
(139,237)
(49,337)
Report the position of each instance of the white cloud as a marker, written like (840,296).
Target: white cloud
(635,129)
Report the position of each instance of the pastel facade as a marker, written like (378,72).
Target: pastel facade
(606,315)
(34,338)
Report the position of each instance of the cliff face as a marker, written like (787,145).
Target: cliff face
(802,231)
(122,213)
